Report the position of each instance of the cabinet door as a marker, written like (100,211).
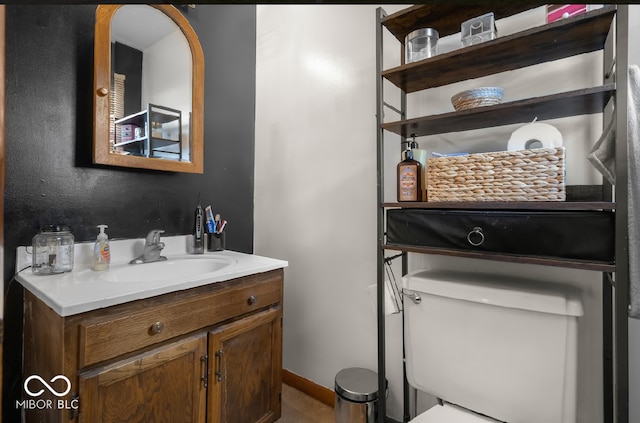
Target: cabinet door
(245,380)
(163,385)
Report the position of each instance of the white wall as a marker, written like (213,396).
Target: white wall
(315,179)
(315,185)
(166,74)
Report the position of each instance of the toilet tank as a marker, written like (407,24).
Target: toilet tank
(501,346)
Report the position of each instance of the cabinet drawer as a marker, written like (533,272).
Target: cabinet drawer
(171,315)
(576,235)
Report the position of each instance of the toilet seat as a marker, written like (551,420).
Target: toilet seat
(449,413)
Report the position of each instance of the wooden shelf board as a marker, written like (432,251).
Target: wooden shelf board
(565,38)
(545,261)
(572,103)
(525,205)
(446,17)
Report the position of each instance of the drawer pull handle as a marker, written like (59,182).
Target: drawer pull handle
(219,368)
(252,300)
(205,364)
(156,328)
(475,237)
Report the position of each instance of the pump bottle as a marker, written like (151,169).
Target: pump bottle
(101,253)
(409,178)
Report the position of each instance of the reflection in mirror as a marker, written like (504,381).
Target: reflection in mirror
(154,103)
(151,85)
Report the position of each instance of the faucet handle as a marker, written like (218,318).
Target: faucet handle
(154,236)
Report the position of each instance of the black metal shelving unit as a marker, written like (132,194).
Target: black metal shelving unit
(150,144)
(604,30)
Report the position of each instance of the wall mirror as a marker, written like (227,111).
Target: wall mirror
(148,89)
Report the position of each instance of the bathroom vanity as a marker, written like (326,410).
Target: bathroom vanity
(206,349)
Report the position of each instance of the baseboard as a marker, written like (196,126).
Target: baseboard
(322,394)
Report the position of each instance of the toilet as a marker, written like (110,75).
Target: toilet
(492,348)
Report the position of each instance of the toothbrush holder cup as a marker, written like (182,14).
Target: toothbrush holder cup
(216,242)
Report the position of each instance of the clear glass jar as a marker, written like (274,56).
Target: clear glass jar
(52,250)
(421,44)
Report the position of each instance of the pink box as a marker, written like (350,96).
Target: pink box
(127,132)
(555,12)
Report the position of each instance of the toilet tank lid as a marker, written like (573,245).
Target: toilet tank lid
(498,290)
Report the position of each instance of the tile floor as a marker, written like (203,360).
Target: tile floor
(298,407)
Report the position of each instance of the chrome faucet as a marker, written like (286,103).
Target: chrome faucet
(152,248)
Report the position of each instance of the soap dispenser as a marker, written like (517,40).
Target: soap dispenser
(421,156)
(409,177)
(101,253)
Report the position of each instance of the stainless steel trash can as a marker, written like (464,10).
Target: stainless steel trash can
(356,399)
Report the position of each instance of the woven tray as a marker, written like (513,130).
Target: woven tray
(523,175)
(472,103)
(477,97)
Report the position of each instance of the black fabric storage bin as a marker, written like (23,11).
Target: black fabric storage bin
(577,235)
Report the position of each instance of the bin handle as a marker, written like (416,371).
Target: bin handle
(477,234)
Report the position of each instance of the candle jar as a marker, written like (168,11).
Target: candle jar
(52,250)
(421,44)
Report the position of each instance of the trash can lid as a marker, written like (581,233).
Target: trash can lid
(357,384)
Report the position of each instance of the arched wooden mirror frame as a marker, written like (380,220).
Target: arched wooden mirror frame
(102,84)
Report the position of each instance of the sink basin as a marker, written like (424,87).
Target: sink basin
(182,268)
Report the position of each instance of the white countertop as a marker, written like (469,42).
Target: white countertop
(83,290)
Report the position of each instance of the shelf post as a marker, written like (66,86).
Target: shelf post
(621,296)
(382,408)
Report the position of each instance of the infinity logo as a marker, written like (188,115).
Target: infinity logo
(46,385)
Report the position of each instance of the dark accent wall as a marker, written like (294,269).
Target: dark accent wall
(127,61)
(50,176)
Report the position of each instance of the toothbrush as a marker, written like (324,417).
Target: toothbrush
(209,213)
(210,224)
(217,223)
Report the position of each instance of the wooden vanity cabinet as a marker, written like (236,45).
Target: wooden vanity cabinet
(162,385)
(208,354)
(243,376)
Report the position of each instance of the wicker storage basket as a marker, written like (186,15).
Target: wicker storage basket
(523,175)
